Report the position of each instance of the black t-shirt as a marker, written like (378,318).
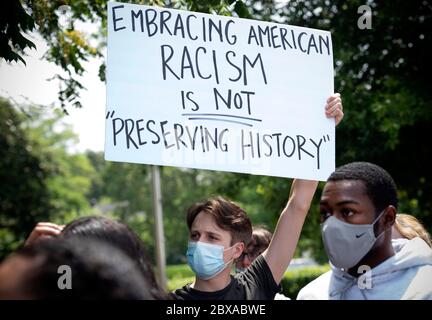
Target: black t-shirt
(255,283)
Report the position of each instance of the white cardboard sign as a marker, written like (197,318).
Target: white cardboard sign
(211,92)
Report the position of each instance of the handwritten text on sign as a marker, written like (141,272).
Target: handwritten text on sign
(204,91)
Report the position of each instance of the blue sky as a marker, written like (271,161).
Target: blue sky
(29,83)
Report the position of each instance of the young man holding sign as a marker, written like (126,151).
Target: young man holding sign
(220,231)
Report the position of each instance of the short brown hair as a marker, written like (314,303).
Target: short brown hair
(261,238)
(228,216)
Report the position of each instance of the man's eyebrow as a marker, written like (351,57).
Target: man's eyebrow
(213,234)
(340,203)
(210,233)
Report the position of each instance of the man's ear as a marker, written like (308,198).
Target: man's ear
(238,250)
(389,217)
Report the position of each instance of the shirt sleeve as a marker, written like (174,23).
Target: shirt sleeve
(258,281)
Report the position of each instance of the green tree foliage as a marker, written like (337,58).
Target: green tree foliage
(41,180)
(71,174)
(14,23)
(24,194)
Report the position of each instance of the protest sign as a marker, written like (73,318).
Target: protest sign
(212,92)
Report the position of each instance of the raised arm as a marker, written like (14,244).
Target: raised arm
(286,235)
(284,242)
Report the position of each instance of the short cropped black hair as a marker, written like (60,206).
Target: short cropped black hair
(118,235)
(379,185)
(99,271)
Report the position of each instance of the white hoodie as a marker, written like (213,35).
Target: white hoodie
(406,275)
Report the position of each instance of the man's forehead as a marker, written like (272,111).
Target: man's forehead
(205,222)
(344,189)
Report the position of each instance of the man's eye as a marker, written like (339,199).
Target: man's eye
(346,212)
(324,214)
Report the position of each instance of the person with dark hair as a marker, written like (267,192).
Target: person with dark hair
(78,268)
(107,230)
(358,209)
(219,231)
(260,241)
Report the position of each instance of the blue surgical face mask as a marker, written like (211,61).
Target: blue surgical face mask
(206,260)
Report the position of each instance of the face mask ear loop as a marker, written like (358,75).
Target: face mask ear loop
(232,259)
(379,217)
(376,220)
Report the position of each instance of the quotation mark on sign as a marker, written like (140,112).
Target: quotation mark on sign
(108,115)
(324,138)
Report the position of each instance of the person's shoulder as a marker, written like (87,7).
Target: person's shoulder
(257,280)
(425,270)
(258,266)
(420,287)
(317,289)
(260,261)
